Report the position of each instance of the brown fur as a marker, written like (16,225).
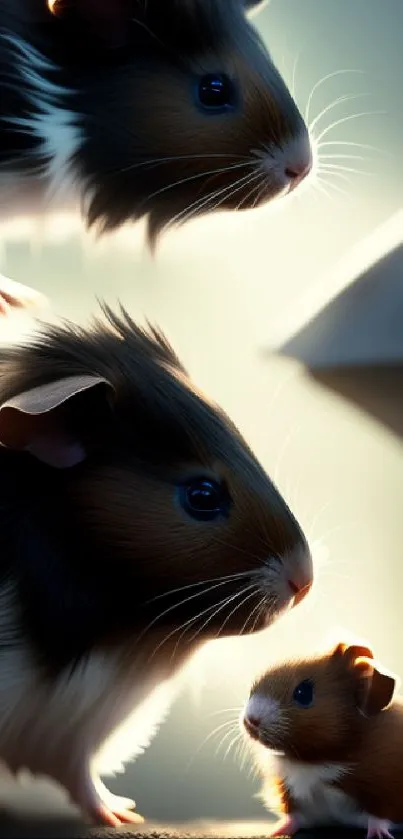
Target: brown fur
(352,722)
(119,538)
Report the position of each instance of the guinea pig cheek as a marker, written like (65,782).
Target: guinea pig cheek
(262,720)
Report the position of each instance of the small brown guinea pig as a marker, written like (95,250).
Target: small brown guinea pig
(135,524)
(143,108)
(337,740)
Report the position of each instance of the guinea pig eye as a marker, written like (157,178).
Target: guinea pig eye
(303,693)
(216,92)
(204,499)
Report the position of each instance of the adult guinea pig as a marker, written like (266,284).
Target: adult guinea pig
(135,524)
(143,108)
(337,738)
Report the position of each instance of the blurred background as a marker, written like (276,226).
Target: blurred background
(293,321)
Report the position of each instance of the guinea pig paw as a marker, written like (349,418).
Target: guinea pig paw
(102,806)
(287,827)
(101,814)
(378,828)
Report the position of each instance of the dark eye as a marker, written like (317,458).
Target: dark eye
(204,499)
(303,693)
(216,92)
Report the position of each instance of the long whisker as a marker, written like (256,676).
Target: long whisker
(348,97)
(351,143)
(335,188)
(235,609)
(254,588)
(201,202)
(173,158)
(345,157)
(322,81)
(207,739)
(176,606)
(224,579)
(198,175)
(340,168)
(237,738)
(254,189)
(347,119)
(188,623)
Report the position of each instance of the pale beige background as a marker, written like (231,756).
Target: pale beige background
(229,291)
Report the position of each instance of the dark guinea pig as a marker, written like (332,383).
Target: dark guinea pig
(337,734)
(143,108)
(135,524)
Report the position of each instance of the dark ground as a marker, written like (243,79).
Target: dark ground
(16,829)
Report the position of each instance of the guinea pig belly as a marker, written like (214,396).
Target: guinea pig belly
(57,730)
(317,801)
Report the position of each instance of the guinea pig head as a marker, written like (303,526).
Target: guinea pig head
(313,710)
(156,515)
(185,115)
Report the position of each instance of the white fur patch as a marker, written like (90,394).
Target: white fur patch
(318,802)
(96,720)
(262,708)
(52,124)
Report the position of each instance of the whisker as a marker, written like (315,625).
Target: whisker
(225,711)
(173,158)
(238,606)
(206,740)
(188,623)
(223,579)
(201,202)
(351,143)
(347,119)
(176,605)
(322,81)
(336,167)
(335,188)
(195,177)
(348,97)
(340,175)
(345,157)
(254,588)
(255,188)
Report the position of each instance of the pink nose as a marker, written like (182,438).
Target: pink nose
(299,591)
(251,724)
(297,171)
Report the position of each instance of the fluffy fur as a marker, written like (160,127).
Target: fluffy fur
(101,101)
(337,756)
(107,582)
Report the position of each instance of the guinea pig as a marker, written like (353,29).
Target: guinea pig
(143,108)
(136,524)
(328,741)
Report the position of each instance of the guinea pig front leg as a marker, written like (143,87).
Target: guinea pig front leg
(378,828)
(99,804)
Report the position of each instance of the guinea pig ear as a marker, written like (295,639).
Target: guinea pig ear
(57,422)
(375,687)
(106,22)
(350,652)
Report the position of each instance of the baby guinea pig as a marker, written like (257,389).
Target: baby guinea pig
(135,524)
(337,740)
(143,108)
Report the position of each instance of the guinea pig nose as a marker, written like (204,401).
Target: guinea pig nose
(297,171)
(251,724)
(299,591)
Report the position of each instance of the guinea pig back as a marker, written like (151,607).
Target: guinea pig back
(132,510)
